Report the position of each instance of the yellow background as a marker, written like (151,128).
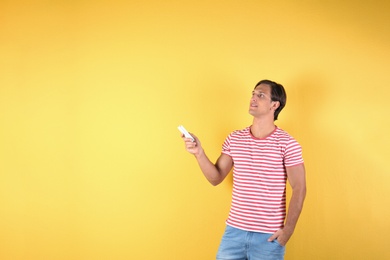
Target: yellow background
(91,92)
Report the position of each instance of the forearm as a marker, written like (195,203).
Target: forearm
(214,173)
(294,209)
(209,169)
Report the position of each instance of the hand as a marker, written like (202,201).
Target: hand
(282,236)
(193,147)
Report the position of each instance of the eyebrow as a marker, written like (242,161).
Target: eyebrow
(260,92)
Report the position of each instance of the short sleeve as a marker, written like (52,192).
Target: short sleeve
(293,153)
(226,146)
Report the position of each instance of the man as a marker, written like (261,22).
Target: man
(263,158)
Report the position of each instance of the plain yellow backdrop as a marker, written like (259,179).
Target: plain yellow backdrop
(91,93)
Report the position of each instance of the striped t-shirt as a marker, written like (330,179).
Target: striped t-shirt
(259,178)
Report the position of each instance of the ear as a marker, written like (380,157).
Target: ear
(275,104)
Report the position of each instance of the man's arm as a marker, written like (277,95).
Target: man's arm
(297,180)
(214,173)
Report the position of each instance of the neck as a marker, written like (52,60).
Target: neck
(262,128)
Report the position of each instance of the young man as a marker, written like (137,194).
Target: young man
(263,158)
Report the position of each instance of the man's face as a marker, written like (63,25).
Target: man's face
(261,103)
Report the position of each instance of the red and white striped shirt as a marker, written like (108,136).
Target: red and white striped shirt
(259,178)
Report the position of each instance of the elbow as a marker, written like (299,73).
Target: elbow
(302,194)
(301,190)
(304,191)
(215,182)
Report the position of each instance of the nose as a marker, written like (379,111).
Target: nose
(253,98)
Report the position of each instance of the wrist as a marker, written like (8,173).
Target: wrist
(288,229)
(199,154)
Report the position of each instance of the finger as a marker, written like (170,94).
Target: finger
(190,145)
(194,136)
(189,141)
(272,238)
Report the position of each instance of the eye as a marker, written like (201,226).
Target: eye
(259,95)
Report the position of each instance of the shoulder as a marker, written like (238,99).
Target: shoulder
(283,136)
(238,136)
(282,133)
(240,133)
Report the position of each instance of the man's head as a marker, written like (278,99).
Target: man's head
(278,94)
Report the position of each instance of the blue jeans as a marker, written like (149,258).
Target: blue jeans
(239,244)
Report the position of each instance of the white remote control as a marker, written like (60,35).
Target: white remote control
(185,132)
